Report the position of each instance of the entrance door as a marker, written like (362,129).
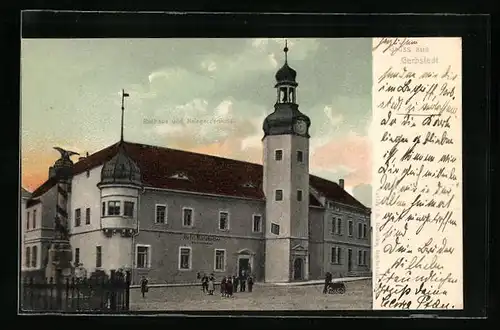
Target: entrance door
(243,265)
(349,260)
(297,269)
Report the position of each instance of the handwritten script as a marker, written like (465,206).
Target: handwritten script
(417,167)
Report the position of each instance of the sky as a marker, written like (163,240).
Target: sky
(71,97)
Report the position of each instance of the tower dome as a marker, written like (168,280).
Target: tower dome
(121,169)
(286,74)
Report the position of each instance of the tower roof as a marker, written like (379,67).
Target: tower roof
(121,169)
(286,74)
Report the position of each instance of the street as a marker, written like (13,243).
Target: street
(264,297)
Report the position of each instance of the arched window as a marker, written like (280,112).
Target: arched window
(28,260)
(283,95)
(34,256)
(291,95)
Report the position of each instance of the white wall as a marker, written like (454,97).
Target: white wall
(31,237)
(84,193)
(116,250)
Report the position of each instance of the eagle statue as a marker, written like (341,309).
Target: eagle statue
(65,154)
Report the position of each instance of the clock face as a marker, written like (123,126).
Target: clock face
(300,127)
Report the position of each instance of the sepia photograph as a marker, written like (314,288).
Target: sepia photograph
(195,174)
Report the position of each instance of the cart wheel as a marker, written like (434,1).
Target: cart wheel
(341,290)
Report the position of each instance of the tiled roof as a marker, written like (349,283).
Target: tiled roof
(205,173)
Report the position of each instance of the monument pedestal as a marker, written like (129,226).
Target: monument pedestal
(59,263)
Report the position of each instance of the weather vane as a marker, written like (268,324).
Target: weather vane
(124,95)
(286,50)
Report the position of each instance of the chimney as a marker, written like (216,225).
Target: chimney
(341,183)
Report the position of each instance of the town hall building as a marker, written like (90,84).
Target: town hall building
(171,215)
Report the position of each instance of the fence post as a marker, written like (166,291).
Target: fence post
(59,289)
(31,285)
(112,287)
(127,290)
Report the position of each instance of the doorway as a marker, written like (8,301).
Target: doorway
(297,269)
(243,266)
(349,260)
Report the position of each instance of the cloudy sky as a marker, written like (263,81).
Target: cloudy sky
(71,97)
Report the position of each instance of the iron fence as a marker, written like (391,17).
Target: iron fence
(74,295)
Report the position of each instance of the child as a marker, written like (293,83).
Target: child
(211,285)
(144,286)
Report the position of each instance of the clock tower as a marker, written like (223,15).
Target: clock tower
(286,183)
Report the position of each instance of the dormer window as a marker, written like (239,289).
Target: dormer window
(179,176)
(248,185)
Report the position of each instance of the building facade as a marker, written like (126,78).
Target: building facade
(171,215)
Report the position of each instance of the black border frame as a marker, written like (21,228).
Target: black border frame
(477,102)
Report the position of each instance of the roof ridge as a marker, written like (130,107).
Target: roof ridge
(194,153)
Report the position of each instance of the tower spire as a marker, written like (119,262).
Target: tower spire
(286,51)
(124,95)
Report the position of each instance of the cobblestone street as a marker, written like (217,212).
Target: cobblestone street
(264,297)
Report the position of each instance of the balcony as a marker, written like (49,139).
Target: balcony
(118,223)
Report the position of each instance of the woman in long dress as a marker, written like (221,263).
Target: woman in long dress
(211,288)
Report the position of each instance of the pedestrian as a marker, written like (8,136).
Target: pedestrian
(144,286)
(242,281)
(229,287)
(235,283)
(211,288)
(223,291)
(250,283)
(328,281)
(204,283)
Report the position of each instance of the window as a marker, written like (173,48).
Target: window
(142,258)
(187,217)
(365,258)
(300,156)
(278,154)
(223,220)
(220,260)
(128,209)
(161,214)
(77,257)
(360,257)
(299,195)
(337,226)
(336,255)
(27,221)
(350,228)
(78,217)
(114,208)
(103,208)
(34,256)
(34,219)
(275,229)
(87,216)
(28,259)
(360,230)
(184,258)
(98,256)
(364,230)
(257,223)
(278,195)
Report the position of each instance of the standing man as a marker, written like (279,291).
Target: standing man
(144,286)
(328,281)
